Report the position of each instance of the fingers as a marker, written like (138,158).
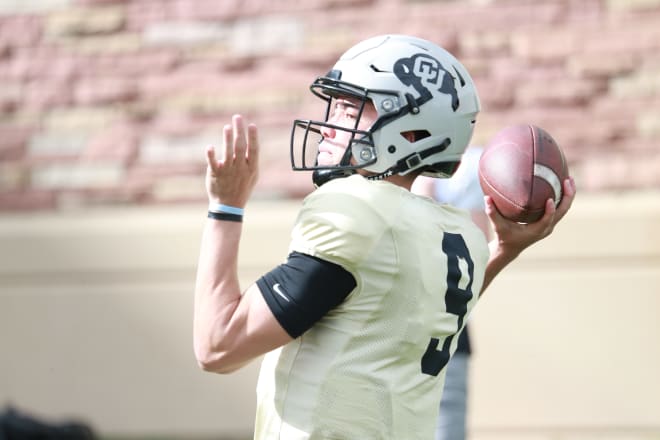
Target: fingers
(239,141)
(252,153)
(553,214)
(227,143)
(491,211)
(210,157)
(499,224)
(549,214)
(569,195)
(566,201)
(231,175)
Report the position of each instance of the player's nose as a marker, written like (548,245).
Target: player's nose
(328,132)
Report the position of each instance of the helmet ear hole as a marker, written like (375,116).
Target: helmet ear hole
(413,136)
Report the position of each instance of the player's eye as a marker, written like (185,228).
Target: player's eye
(347,110)
(342,110)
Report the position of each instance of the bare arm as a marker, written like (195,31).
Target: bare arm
(230,328)
(511,238)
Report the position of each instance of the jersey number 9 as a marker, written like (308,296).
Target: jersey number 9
(456,301)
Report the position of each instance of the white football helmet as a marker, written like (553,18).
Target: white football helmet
(415,86)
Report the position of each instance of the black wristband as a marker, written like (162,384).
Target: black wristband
(225,216)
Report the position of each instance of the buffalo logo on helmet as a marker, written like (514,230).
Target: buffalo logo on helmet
(420,70)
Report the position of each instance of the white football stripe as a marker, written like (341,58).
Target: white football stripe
(549,176)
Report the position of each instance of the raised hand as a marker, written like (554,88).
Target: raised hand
(231,178)
(512,238)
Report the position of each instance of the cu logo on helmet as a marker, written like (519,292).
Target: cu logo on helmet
(421,70)
(426,69)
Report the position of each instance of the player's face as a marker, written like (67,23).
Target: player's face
(344,113)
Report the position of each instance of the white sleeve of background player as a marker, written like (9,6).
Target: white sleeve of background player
(463,189)
(338,227)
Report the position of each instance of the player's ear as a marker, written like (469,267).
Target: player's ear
(409,135)
(415,135)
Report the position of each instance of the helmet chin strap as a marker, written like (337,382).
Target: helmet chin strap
(411,161)
(319,177)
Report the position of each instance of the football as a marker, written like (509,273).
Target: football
(521,168)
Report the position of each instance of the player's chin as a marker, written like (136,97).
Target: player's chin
(325,159)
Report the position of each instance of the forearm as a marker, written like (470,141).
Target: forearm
(217,290)
(511,238)
(499,259)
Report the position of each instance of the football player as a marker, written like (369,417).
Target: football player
(360,321)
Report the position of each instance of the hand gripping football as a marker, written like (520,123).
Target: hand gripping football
(522,167)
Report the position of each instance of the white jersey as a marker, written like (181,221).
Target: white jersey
(463,189)
(373,367)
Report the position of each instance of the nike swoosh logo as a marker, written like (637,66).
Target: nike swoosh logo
(278,290)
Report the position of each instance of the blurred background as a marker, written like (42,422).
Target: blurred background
(106,107)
